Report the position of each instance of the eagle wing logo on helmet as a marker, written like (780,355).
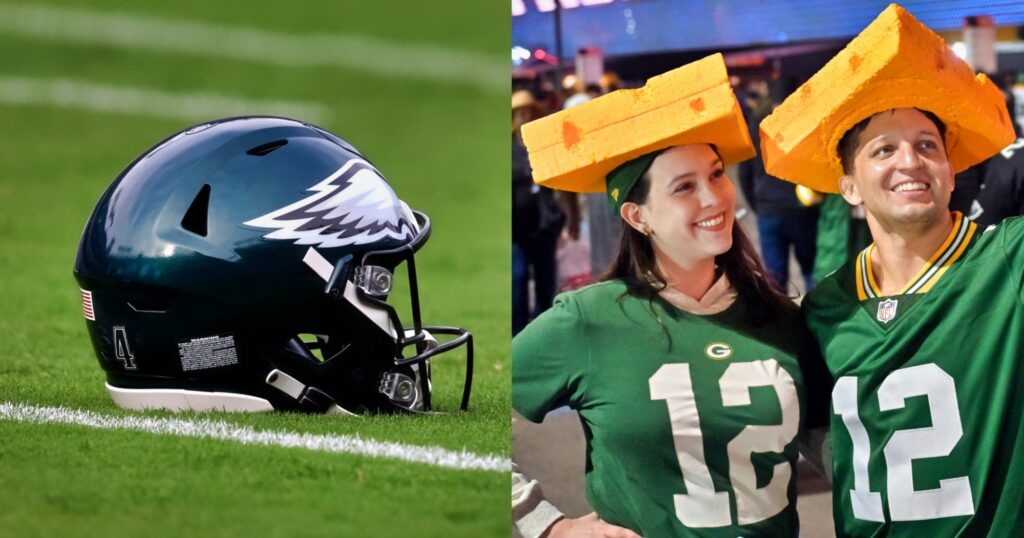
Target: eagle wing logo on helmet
(353,206)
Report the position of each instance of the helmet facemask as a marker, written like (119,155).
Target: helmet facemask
(366,286)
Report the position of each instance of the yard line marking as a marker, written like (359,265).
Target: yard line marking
(182,36)
(218,429)
(70,93)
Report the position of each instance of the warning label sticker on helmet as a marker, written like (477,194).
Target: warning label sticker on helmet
(208,352)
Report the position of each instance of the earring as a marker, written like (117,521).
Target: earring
(647,230)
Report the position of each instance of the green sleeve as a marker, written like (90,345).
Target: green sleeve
(833,236)
(1012,230)
(549,360)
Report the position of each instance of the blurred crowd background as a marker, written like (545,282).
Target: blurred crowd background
(567,52)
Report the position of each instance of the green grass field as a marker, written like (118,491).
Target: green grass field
(441,143)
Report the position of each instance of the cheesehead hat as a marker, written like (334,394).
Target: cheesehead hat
(896,62)
(575,149)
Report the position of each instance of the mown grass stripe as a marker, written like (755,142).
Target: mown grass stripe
(179,36)
(80,94)
(217,429)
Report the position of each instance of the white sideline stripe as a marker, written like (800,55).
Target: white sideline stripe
(182,36)
(217,429)
(69,93)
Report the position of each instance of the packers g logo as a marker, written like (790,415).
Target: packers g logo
(718,351)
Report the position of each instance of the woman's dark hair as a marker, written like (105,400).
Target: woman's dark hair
(850,141)
(635,265)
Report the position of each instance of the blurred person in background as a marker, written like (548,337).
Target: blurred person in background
(537,221)
(993,189)
(602,225)
(579,97)
(784,221)
(1005,82)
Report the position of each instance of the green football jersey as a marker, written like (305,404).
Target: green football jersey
(689,420)
(928,403)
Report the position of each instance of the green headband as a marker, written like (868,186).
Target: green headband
(620,181)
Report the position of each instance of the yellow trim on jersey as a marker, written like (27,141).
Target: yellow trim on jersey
(957,221)
(969,234)
(861,294)
(865,287)
(876,290)
(925,279)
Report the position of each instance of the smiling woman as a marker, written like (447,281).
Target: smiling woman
(684,339)
(684,185)
(680,236)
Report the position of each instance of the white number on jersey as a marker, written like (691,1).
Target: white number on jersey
(701,505)
(953,496)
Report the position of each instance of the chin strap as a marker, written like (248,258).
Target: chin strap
(311,399)
(403,392)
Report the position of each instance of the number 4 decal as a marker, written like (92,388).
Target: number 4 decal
(953,496)
(121,350)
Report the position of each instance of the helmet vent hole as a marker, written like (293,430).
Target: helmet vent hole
(196,216)
(266,149)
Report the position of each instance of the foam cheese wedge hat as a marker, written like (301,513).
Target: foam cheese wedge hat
(576,148)
(896,62)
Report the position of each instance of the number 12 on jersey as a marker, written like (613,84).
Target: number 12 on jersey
(701,505)
(953,496)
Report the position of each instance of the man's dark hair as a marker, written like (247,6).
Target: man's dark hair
(849,143)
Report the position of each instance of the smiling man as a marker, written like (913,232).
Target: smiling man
(923,331)
(895,165)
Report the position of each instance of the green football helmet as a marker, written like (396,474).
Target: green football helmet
(245,264)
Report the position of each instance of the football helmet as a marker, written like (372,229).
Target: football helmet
(245,264)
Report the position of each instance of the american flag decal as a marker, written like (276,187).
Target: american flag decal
(87,306)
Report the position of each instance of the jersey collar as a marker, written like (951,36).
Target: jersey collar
(718,298)
(950,251)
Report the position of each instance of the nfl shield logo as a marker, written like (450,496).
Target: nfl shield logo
(886,310)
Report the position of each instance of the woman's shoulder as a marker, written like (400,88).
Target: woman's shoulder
(569,320)
(597,291)
(595,298)
(590,304)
